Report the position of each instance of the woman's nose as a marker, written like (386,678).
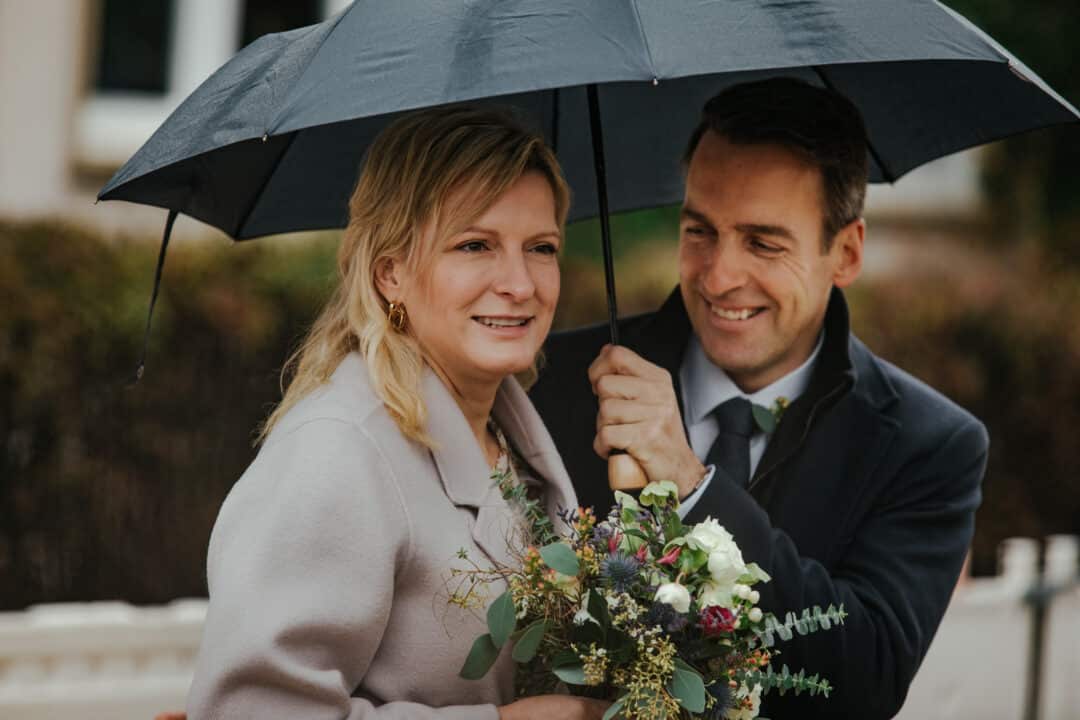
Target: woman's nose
(513,277)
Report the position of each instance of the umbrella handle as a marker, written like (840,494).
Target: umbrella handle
(624,473)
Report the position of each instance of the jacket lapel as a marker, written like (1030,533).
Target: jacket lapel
(526,432)
(464,472)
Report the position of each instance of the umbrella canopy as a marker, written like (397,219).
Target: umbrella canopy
(272,141)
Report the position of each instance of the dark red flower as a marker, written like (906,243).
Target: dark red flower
(715,620)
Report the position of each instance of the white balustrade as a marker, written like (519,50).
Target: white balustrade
(114,661)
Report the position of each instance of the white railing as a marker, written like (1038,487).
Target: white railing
(113,661)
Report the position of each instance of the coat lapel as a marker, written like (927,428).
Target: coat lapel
(526,432)
(466,476)
(464,472)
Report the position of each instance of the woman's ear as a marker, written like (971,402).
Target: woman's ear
(848,248)
(388,278)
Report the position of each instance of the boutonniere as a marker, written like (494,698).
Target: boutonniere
(767,418)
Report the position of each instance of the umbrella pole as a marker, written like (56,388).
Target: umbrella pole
(605,221)
(624,472)
(153,295)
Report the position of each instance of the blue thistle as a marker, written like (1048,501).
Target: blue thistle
(666,617)
(620,570)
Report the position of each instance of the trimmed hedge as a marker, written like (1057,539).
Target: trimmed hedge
(109,491)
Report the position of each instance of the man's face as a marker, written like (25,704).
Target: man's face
(753,273)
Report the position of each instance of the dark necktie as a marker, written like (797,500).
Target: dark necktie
(730,452)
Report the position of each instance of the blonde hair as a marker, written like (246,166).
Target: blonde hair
(444,167)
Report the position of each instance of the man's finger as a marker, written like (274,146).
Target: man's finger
(619,411)
(631,388)
(619,360)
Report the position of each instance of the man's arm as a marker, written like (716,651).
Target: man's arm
(894,579)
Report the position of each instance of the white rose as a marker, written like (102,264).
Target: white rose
(712,593)
(675,595)
(725,559)
(709,535)
(755,615)
(742,591)
(754,596)
(726,564)
(741,713)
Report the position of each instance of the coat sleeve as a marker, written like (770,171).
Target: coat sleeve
(301,571)
(894,579)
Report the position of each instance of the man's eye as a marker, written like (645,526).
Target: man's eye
(694,230)
(761,245)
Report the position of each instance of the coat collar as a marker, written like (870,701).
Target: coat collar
(463,469)
(844,365)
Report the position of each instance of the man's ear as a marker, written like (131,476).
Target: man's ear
(848,250)
(389,278)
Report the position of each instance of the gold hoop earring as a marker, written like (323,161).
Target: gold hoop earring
(396,316)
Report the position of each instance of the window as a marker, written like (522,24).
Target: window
(270,16)
(134,49)
(152,53)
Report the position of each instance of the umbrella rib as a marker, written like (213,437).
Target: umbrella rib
(886,173)
(262,186)
(644,40)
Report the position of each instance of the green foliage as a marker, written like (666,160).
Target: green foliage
(529,642)
(785,681)
(501,619)
(810,621)
(688,687)
(559,557)
(481,657)
(1033,179)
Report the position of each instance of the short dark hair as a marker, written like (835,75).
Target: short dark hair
(817,123)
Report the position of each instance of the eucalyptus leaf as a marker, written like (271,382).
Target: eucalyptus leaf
(559,557)
(480,658)
(598,608)
(688,687)
(571,674)
(614,709)
(501,618)
(526,646)
(565,657)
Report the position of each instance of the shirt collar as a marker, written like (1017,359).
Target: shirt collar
(705,385)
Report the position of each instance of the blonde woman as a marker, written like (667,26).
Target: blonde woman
(328,563)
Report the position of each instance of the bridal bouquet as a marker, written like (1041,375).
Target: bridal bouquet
(658,616)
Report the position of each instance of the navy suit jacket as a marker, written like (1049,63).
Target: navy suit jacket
(865,496)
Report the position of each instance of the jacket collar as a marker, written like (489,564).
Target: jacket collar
(463,469)
(844,365)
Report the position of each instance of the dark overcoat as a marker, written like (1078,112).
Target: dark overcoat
(865,497)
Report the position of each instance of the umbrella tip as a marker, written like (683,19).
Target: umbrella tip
(266,136)
(655,81)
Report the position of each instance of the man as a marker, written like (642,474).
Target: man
(864,492)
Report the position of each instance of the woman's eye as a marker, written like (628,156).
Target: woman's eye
(472,246)
(546,249)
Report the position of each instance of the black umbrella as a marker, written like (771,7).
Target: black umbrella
(271,142)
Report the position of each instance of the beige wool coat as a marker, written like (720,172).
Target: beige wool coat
(329,562)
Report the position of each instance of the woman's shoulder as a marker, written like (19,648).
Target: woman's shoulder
(347,398)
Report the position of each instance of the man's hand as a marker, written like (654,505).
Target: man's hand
(640,414)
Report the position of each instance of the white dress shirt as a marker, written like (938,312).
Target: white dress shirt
(705,386)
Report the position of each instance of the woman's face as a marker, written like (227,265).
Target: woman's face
(483,306)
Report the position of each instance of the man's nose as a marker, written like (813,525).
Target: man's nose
(513,277)
(725,268)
